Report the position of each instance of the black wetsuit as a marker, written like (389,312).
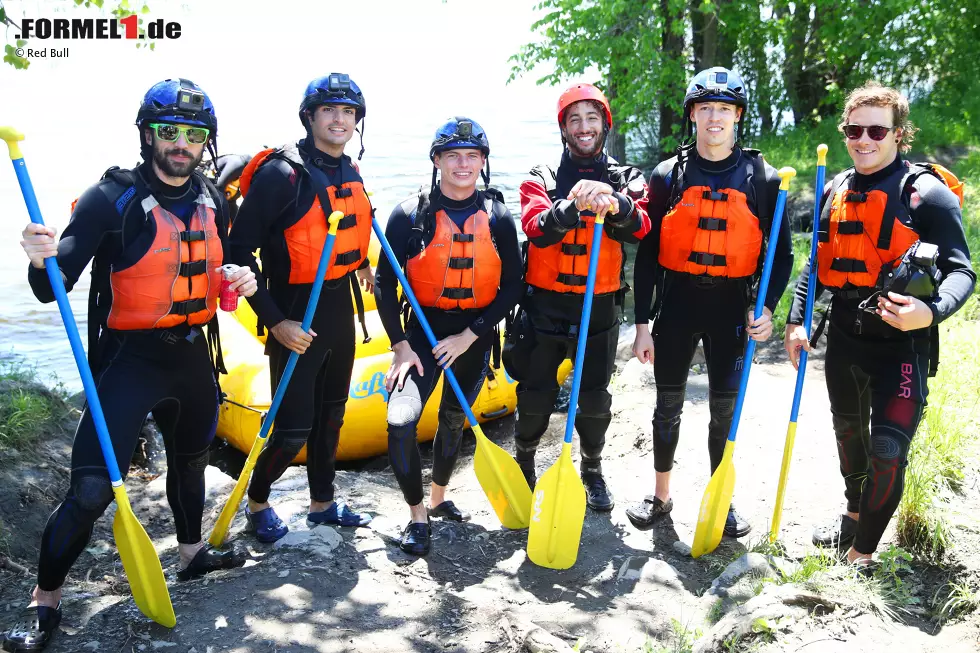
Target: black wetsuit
(405,405)
(692,309)
(556,316)
(166,372)
(312,410)
(877,379)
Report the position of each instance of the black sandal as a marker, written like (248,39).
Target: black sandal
(649,511)
(448,510)
(209,559)
(33,629)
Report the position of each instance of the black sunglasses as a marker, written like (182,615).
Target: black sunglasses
(875,132)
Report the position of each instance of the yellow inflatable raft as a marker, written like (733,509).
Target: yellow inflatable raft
(364,434)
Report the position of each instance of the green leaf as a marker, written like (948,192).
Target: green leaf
(145,9)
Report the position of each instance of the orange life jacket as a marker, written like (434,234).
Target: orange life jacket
(305,237)
(174,281)
(459,269)
(861,233)
(714,233)
(564,266)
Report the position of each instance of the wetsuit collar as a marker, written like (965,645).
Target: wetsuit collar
(727,164)
(866,181)
(159,189)
(457,205)
(572,170)
(320,158)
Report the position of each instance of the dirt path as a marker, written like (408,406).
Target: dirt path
(353,590)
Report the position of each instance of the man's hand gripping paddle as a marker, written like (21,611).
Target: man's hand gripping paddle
(231,506)
(718,495)
(139,557)
(498,473)
(777,513)
(558,512)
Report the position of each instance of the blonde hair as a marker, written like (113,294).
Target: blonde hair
(874,94)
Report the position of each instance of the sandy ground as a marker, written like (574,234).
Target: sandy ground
(332,590)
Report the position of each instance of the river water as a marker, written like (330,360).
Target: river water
(416,65)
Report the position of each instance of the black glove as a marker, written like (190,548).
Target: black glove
(229,168)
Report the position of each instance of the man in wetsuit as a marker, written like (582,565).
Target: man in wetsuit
(289,192)
(459,249)
(711,214)
(557,212)
(881,345)
(146,345)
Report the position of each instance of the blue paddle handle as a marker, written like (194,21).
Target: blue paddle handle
(58,286)
(760,303)
(287,373)
(811,292)
(583,329)
(420,316)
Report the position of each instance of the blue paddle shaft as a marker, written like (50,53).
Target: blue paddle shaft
(287,373)
(58,286)
(583,330)
(760,303)
(811,291)
(420,316)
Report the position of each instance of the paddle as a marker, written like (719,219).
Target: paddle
(777,512)
(718,495)
(559,496)
(235,499)
(496,470)
(139,557)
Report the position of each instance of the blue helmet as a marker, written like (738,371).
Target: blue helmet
(459,132)
(178,101)
(716,85)
(335,88)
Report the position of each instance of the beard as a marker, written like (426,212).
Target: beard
(172,168)
(592,152)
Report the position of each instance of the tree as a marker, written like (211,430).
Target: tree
(801,55)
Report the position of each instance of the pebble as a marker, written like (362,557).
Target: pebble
(161,644)
(92,646)
(220,622)
(283,574)
(682,548)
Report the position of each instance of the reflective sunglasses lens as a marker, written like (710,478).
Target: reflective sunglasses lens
(168,133)
(877,132)
(196,135)
(853,132)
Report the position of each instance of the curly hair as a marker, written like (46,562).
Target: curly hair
(874,94)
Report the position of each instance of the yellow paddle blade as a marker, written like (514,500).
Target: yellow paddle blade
(141,563)
(501,479)
(777,512)
(221,526)
(714,506)
(557,515)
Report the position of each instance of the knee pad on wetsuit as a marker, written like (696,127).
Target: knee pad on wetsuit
(889,457)
(595,403)
(196,462)
(92,495)
(536,402)
(667,413)
(452,417)
(291,441)
(333,414)
(404,411)
(721,408)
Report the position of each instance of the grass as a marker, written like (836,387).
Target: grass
(25,413)
(961,601)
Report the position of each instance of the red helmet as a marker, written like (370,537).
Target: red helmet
(580,92)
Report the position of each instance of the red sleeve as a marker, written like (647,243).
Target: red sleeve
(640,200)
(534,202)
